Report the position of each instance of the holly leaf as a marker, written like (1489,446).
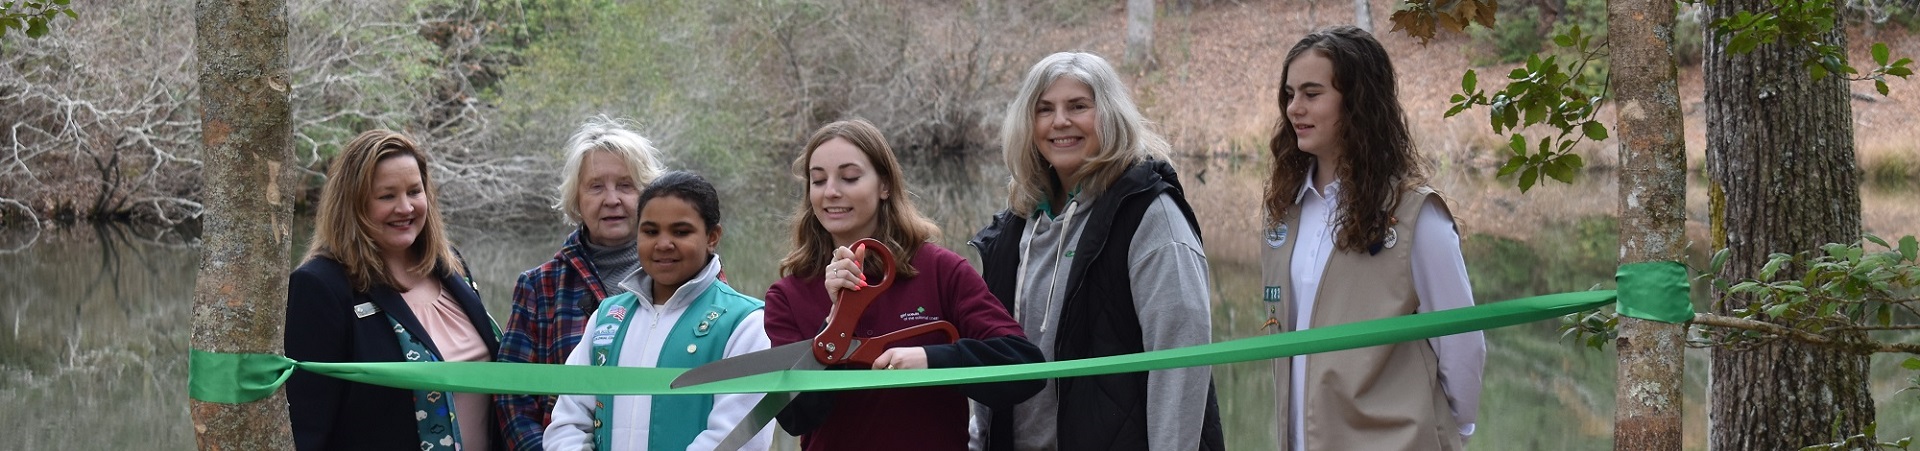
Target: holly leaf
(1559,170)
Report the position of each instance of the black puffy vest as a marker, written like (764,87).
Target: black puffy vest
(1097,319)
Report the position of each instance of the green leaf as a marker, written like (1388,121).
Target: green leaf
(1885,315)
(1912,363)
(1875,239)
(1909,247)
(1901,72)
(1777,310)
(36,27)
(1536,113)
(1527,178)
(1563,40)
(1513,165)
(1817,71)
(1719,260)
(1594,130)
(1880,85)
(1880,53)
(1469,81)
(1457,109)
(1518,144)
(1743,43)
(1773,266)
(1559,170)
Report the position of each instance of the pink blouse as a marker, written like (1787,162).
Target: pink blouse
(458,342)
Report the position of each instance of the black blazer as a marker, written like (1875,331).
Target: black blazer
(330,413)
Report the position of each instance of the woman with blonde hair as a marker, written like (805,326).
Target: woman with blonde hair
(1098,254)
(381,283)
(606,167)
(855,190)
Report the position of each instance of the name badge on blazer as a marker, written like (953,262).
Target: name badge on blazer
(365,309)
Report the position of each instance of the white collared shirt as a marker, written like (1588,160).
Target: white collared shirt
(1439,279)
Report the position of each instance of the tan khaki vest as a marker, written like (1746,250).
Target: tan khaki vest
(1380,398)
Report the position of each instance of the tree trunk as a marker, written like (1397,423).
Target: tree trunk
(1780,156)
(239,301)
(1653,215)
(1363,15)
(1139,35)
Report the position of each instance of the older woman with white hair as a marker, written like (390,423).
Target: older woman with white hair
(607,166)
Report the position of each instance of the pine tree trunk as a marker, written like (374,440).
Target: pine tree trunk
(239,301)
(1780,156)
(1652,215)
(1139,55)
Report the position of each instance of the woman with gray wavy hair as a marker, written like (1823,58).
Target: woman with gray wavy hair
(1098,254)
(607,165)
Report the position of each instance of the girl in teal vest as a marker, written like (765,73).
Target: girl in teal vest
(677,314)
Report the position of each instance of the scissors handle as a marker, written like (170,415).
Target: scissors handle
(870,348)
(835,343)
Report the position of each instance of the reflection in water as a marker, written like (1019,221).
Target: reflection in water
(95,351)
(98,320)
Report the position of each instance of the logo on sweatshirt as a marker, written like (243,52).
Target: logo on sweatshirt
(918,314)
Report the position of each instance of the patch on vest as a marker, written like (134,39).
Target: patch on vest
(1270,294)
(603,335)
(1277,236)
(617,312)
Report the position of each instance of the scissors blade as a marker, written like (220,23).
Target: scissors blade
(797,355)
(762,414)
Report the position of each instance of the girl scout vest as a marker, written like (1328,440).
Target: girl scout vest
(702,331)
(1384,397)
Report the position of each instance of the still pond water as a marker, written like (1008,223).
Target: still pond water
(95,320)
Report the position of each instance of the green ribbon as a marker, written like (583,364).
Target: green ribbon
(220,377)
(235,378)
(1655,291)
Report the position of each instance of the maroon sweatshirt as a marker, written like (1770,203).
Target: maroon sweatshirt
(925,418)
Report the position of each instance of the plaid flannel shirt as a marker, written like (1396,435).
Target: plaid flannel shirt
(551,304)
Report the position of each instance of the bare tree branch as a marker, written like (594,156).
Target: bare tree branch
(1862,347)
